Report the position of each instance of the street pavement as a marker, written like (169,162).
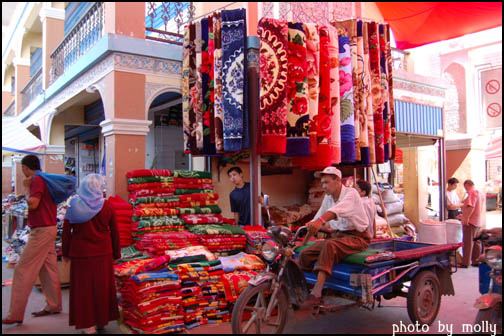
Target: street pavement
(456,311)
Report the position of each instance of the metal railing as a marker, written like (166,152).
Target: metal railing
(11,109)
(78,41)
(165,20)
(399,59)
(31,90)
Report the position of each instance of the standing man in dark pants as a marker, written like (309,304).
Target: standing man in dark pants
(39,255)
(240,197)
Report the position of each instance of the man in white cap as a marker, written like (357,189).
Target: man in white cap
(342,213)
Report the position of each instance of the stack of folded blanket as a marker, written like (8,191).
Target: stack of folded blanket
(152,302)
(157,243)
(123,212)
(153,298)
(254,235)
(204,300)
(222,239)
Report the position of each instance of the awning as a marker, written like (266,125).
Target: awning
(494,149)
(16,139)
(417,23)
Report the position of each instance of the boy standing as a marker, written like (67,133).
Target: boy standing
(239,197)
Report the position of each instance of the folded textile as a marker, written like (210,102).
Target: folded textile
(211,209)
(118,203)
(177,204)
(235,283)
(154,221)
(216,229)
(168,179)
(202,219)
(191,251)
(155,212)
(149,172)
(138,266)
(242,261)
(178,198)
(169,186)
(192,174)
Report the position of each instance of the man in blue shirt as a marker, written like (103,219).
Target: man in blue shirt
(239,197)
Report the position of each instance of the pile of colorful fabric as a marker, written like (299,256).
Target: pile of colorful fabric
(203,294)
(152,302)
(123,212)
(159,196)
(153,297)
(157,243)
(222,239)
(254,235)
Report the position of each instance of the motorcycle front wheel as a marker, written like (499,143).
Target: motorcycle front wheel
(493,315)
(249,312)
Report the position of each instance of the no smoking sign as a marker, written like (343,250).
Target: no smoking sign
(494,110)
(492,87)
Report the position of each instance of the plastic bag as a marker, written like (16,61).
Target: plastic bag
(60,186)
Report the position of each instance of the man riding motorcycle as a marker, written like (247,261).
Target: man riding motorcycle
(343,214)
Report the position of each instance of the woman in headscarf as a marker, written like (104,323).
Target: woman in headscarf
(91,242)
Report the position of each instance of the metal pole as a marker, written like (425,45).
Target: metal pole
(442,179)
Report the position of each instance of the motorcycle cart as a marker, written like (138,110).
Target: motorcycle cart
(360,282)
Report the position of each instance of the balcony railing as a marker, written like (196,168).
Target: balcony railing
(31,90)
(399,59)
(165,21)
(11,109)
(78,41)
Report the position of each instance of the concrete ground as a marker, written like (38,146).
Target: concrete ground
(454,313)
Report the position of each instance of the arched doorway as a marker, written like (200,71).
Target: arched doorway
(165,142)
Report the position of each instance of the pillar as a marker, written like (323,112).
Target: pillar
(53,29)
(124,128)
(125,18)
(18,174)
(7,98)
(124,151)
(22,70)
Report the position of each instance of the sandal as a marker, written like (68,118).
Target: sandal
(43,312)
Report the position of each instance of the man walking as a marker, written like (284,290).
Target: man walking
(39,255)
(471,223)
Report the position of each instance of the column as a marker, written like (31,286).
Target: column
(7,98)
(53,162)
(22,73)
(18,174)
(125,18)
(124,128)
(53,29)
(124,151)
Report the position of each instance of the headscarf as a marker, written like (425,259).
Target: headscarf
(89,200)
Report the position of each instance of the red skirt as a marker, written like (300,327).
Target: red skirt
(93,298)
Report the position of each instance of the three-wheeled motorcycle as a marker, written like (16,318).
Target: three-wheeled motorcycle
(361,280)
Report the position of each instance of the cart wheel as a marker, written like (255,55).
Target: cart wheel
(424,298)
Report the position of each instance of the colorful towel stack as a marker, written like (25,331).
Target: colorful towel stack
(153,299)
(222,239)
(204,300)
(123,212)
(254,234)
(152,302)
(157,243)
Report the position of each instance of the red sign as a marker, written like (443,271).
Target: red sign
(492,86)
(494,110)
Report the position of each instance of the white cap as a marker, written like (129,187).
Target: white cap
(329,171)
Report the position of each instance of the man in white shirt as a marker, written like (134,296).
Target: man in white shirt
(453,203)
(364,190)
(343,213)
